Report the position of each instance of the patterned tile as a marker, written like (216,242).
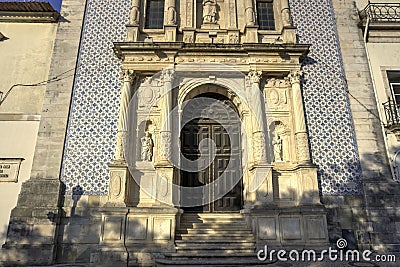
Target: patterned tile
(93,122)
(328,113)
(92,125)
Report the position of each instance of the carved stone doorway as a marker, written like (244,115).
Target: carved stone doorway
(223,198)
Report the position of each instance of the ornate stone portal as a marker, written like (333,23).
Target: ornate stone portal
(280,198)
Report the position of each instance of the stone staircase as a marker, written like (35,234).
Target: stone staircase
(212,239)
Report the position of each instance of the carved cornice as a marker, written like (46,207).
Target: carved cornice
(122,49)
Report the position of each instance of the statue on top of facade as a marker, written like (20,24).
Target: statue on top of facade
(147,147)
(209,11)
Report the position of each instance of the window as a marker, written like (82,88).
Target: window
(394,83)
(392,106)
(265,15)
(154,14)
(199,13)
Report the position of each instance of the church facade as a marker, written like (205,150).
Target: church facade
(201,131)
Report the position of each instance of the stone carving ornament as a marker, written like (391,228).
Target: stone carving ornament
(255,76)
(303,153)
(209,11)
(171,18)
(277,143)
(250,17)
(147,147)
(168,75)
(166,144)
(274,82)
(287,21)
(188,38)
(135,13)
(259,146)
(233,38)
(295,76)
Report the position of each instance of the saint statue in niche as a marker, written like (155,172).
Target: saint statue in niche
(209,11)
(277,142)
(147,147)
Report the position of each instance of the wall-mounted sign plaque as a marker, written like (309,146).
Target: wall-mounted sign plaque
(9,169)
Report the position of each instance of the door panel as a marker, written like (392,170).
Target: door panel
(227,149)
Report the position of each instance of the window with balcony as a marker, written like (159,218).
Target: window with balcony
(392,107)
(154,14)
(265,15)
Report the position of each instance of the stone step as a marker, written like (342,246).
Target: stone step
(214,241)
(229,236)
(207,254)
(213,231)
(225,251)
(211,262)
(207,246)
(213,215)
(233,227)
(215,222)
(211,220)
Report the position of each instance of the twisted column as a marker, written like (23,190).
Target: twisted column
(128,77)
(301,136)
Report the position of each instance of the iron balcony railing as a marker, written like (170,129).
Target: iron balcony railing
(381,12)
(392,112)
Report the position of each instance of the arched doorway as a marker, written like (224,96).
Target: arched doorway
(225,196)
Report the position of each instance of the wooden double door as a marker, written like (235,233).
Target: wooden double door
(225,194)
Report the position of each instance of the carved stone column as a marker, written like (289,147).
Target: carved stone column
(134,22)
(126,94)
(166,120)
(170,21)
(164,167)
(260,182)
(302,147)
(259,122)
(120,179)
(251,27)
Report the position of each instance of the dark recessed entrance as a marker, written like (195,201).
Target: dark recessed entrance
(227,149)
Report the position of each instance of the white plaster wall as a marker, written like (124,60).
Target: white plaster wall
(384,56)
(24,58)
(17,140)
